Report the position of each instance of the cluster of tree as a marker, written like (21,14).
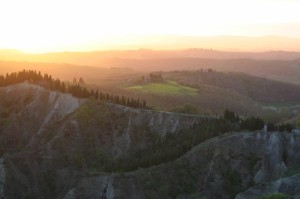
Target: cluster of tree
(254,123)
(79,81)
(152,77)
(155,77)
(230,116)
(118,99)
(77,89)
(33,77)
(18,77)
(280,127)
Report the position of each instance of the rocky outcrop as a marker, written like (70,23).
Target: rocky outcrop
(26,109)
(218,168)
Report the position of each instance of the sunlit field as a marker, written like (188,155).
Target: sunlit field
(165,88)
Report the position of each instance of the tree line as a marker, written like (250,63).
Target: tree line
(77,88)
(254,123)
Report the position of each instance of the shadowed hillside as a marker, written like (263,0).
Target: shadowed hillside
(56,146)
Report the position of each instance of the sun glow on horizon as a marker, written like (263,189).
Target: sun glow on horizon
(61,25)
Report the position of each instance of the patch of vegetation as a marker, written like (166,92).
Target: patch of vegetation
(233,182)
(4,117)
(275,196)
(165,88)
(252,160)
(252,124)
(185,180)
(30,196)
(97,159)
(5,122)
(86,112)
(154,182)
(49,133)
(49,181)
(186,108)
(196,196)
(2,150)
(94,120)
(292,171)
(230,116)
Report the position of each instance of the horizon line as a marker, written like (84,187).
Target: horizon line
(155,45)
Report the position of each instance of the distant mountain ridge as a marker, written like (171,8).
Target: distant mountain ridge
(97,58)
(171,42)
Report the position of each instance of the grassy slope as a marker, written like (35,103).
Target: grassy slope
(209,99)
(217,91)
(165,88)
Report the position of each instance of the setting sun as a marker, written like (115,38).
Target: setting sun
(56,25)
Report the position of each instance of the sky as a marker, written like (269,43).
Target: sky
(83,25)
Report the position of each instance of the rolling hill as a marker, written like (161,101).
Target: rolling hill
(216,91)
(277,65)
(256,88)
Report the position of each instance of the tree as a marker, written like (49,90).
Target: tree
(81,81)
(298,123)
(252,124)
(285,127)
(230,116)
(63,87)
(97,95)
(271,127)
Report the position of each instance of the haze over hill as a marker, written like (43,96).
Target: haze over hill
(266,47)
(224,43)
(98,66)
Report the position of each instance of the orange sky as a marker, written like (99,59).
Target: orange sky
(84,25)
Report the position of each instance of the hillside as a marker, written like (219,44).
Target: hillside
(281,70)
(214,91)
(105,76)
(258,89)
(56,146)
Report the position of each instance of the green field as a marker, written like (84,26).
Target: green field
(165,88)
